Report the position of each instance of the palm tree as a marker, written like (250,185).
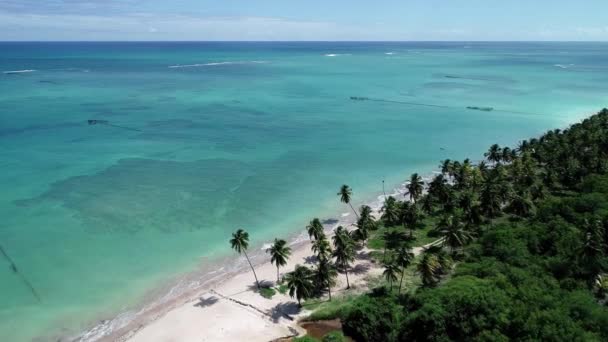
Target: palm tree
(240,242)
(279,253)
(591,251)
(390,273)
(490,200)
(446,167)
(315,229)
(494,154)
(321,248)
(521,205)
(344,251)
(429,269)
(299,283)
(365,212)
(326,275)
(345,194)
(410,216)
(390,211)
(415,187)
(454,233)
(393,240)
(404,259)
(365,223)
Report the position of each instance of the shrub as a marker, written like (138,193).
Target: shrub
(334,336)
(267,292)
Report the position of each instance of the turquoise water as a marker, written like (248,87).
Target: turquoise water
(227,135)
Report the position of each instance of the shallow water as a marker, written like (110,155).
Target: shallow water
(215,136)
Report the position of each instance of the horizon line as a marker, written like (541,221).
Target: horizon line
(303,41)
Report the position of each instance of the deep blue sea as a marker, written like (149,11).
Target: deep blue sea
(195,140)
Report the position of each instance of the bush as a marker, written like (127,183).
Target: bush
(267,292)
(334,336)
(283,289)
(305,338)
(372,319)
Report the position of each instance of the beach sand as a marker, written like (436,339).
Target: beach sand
(234,311)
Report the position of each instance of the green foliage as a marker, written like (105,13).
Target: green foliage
(334,336)
(536,268)
(372,319)
(283,289)
(267,292)
(305,338)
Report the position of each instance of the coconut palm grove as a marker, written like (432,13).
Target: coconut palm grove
(513,247)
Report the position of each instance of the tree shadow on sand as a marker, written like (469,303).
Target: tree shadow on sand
(286,310)
(310,260)
(360,269)
(263,284)
(205,302)
(363,255)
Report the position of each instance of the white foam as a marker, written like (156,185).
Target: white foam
(389,53)
(336,54)
(563,66)
(214,64)
(18,71)
(345,214)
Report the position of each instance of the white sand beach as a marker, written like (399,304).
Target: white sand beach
(234,311)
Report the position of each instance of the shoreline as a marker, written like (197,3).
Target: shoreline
(158,304)
(193,285)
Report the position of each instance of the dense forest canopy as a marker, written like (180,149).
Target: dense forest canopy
(524,246)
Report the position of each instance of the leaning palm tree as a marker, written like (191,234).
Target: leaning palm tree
(325,275)
(315,229)
(345,194)
(415,187)
(279,253)
(404,259)
(390,273)
(344,251)
(300,283)
(240,242)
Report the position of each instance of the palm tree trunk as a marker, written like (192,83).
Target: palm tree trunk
(401,282)
(384,192)
(254,275)
(278,278)
(329,290)
(354,211)
(346,273)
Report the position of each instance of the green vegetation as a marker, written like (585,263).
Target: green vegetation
(305,338)
(240,243)
(267,292)
(282,289)
(335,336)
(520,249)
(523,252)
(279,254)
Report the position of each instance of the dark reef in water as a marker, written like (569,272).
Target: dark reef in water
(137,194)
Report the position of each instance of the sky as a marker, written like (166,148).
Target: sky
(312,20)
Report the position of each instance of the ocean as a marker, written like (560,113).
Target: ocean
(193,140)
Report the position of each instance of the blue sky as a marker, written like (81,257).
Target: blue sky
(461,20)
